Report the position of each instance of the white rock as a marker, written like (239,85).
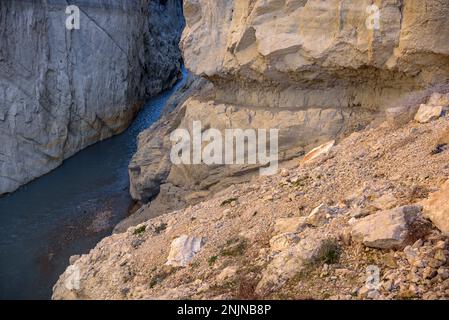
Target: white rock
(436,208)
(387,229)
(183,249)
(289,225)
(318,151)
(319,215)
(427,113)
(283,241)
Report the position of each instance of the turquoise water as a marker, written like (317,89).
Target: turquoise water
(68,211)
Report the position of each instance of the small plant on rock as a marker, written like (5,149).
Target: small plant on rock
(330,252)
(211,261)
(140,230)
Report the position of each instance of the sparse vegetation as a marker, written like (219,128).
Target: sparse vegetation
(330,252)
(160,228)
(211,261)
(140,230)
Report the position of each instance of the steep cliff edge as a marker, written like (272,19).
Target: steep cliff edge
(62,90)
(315,70)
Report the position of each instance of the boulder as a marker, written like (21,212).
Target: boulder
(427,113)
(283,241)
(436,208)
(289,225)
(317,152)
(290,262)
(389,229)
(319,216)
(183,249)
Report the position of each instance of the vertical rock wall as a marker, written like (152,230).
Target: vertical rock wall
(62,90)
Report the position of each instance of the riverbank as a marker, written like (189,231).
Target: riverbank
(69,210)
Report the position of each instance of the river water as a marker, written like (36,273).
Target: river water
(67,211)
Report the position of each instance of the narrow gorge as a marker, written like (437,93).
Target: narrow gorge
(356,91)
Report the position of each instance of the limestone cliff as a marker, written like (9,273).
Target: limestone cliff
(313,53)
(316,70)
(62,90)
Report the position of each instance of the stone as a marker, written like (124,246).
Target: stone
(440,255)
(386,202)
(283,241)
(227,273)
(288,263)
(427,113)
(436,208)
(289,225)
(438,99)
(183,250)
(386,230)
(319,215)
(68,96)
(317,152)
(443,273)
(429,273)
(284,173)
(74,259)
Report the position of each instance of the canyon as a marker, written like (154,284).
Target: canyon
(352,100)
(358,92)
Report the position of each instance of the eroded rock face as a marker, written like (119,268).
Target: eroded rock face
(312,69)
(151,165)
(62,90)
(308,53)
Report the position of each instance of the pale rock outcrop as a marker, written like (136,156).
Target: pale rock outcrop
(151,165)
(62,90)
(319,216)
(313,53)
(289,225)
(283,241)
(436,208)
(312,69)
(387,229)
(428,113)
(183,250)
(290,262)
(435,108)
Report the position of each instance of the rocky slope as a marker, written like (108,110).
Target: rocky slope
(364,219)
(62,90)
(315,70)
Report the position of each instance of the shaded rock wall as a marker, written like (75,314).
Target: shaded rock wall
(62,90)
